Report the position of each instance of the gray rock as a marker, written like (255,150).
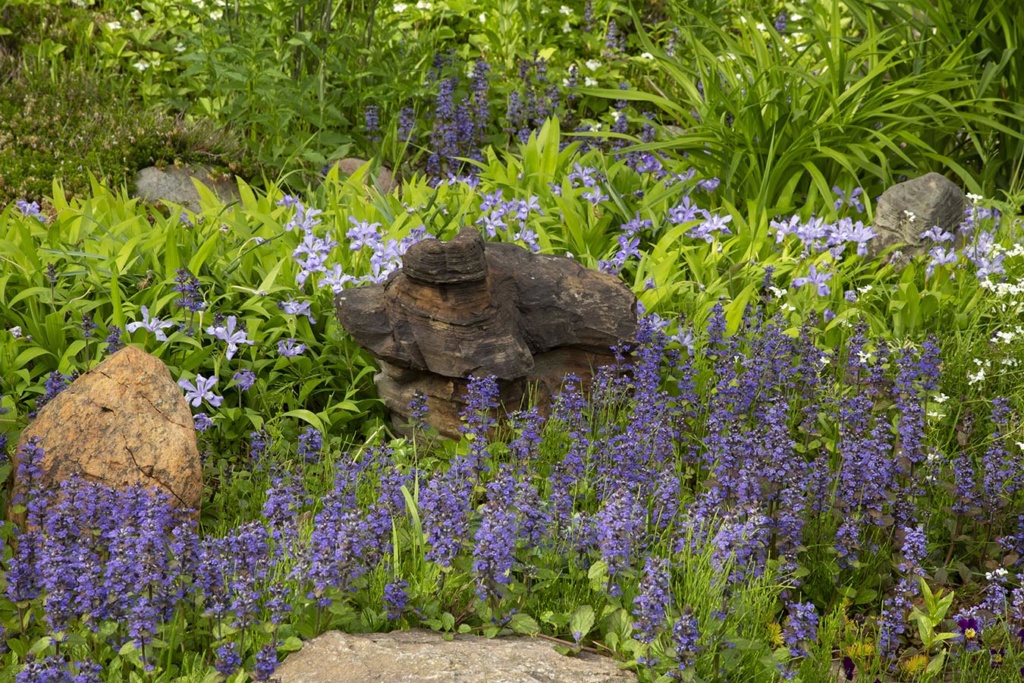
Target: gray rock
(421,656)
(174,184)
(383,176)
(931,199)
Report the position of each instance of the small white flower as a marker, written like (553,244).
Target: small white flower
(114,25)
(593,64)
(1004,337)
(400,7)
(777,292)
(941,398)
(934,414)
(979,376)
(865,289)
(179,48)
(590,82)
(974,197)
(141,65)
(566,28)
(647,56)
(566,10)
(760,27)
(136,15)
(616,115)
(15,332)
(796,17)
(483,17)
(910,215)
(422,4)
(864,357)
(787,307)
(217,14)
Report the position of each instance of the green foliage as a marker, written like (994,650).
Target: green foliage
(782,118)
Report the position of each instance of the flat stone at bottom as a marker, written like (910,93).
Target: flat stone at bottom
(421,656)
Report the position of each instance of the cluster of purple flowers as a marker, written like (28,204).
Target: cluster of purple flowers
(510,217)
(385,254)
(533,102)
(460,123)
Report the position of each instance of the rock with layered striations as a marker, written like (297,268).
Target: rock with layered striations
(421,656)
(909,208)
(466,307)
(123,423)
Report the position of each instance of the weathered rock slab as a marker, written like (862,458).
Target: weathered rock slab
(421,656)
(174,184)
(466,307)
(123,423)
(907,209)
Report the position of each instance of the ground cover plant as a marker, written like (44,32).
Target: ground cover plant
(808,466)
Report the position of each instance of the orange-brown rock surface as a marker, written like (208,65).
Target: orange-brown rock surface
(123,423)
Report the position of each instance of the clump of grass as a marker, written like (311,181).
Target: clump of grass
(80,124)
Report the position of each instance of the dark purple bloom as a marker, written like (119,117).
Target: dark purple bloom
(970,632)
(396,598)
(55,383)
(418,409)
(87,325)
(371,115)
(848,668)
(495,545)
(685,640)
(187,285)
(406,124)
(228,660)
(444,507)
(781,19)
(202,422)
(311,442)
(113,340)
(266,663)
(651,604)
(619,524)
(801,627)
(259,441)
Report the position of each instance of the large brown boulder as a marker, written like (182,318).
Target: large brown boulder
(123,423)
(466,307)
(421,656)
